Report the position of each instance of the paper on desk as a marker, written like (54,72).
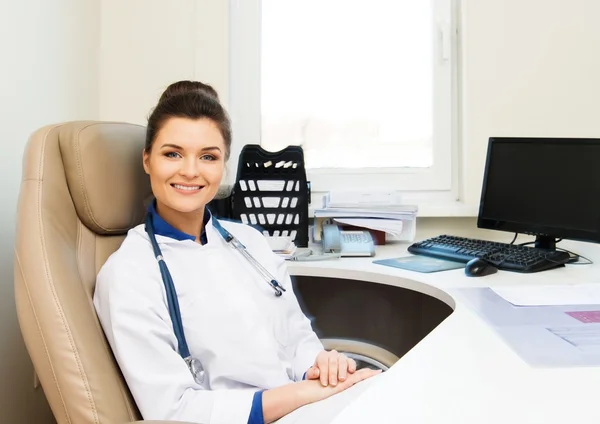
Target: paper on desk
(282,246)
(586,338)
(544,335)
(390,226)
(277,243)
(579,294)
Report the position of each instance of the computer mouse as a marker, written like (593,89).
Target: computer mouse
(479,268)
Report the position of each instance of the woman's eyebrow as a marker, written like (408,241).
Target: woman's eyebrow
(175,146)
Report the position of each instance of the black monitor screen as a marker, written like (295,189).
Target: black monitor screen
(542,186)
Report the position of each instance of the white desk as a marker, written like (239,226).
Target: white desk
(462,372)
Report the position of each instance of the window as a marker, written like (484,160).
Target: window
(366,88)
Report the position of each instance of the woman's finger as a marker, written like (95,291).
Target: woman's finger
(323,364)
(312,373)
(351,365)
(356,377)
(363,374)
(333,367)
(342,367)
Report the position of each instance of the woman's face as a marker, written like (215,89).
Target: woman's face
(186,164)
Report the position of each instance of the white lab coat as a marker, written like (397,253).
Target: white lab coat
(245,337)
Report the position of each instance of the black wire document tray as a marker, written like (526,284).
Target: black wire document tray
(271,192)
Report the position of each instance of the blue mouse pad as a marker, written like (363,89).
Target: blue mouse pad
(420,263)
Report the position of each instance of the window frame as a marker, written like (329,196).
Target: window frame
(438,183)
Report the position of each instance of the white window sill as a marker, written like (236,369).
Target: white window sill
(447,209)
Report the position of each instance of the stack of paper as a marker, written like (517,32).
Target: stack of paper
(546,325)
(393,227)
(372,211)
(357,199)
(282,246)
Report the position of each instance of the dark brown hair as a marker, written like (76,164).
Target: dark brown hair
(193,104)
(186,86)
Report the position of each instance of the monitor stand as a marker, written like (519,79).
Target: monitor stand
(545,242)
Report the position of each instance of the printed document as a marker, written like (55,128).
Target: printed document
(547,295)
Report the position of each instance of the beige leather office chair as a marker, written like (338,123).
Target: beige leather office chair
(83,187)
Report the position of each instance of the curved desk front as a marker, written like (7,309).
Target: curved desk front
(462,371)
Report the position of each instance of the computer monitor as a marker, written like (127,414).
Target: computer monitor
(546,187)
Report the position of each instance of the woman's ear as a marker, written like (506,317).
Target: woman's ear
(145,160)
(225,174)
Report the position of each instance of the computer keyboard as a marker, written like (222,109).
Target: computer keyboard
(509,257)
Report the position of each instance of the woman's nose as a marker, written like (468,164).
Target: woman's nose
(190,168)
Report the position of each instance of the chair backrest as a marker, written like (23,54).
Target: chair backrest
(83,186)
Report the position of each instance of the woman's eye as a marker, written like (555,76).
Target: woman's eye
(207,157)
(172,154)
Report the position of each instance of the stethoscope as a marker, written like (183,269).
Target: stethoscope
(194,364)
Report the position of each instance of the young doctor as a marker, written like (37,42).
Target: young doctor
(200,314)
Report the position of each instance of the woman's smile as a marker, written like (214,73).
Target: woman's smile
(187,189)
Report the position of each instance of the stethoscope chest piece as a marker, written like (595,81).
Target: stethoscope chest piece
(196,369)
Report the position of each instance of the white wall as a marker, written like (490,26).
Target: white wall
(148,44)
(528,68)
(48,73)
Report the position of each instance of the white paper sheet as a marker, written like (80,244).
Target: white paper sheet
(554,336)
(280,243)
(390,226)
(542,295)
(282,246)
(586,338)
